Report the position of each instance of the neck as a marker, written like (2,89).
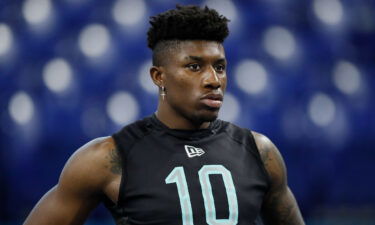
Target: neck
(175,120)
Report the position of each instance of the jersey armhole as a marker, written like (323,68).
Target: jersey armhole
(123,151)
(124,142)
(251,146)
(260,161)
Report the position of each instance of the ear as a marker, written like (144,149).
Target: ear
(157,75)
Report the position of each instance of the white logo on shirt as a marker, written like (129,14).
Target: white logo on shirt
(192,151)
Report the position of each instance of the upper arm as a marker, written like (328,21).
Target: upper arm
(79,189)
(279,206)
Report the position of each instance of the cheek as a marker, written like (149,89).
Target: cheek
(178,84)
(181,84)
(183,90)
(188,89)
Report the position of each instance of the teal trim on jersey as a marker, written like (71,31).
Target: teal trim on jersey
(208,197)
(178,176)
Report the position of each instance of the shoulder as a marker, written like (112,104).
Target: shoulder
(235,132)
(264,144)
(92,166)
(271,158)
(131,133)
(96,146)
(93,154)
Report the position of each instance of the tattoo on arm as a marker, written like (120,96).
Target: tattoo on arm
(115,161)
(279,205)
(282,209)
(264,155)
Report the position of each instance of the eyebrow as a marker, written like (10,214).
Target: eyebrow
(221,60)
(196,58)
(200,59)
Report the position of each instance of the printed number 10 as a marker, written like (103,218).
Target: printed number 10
(178,176)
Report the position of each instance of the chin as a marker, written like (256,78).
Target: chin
(206,116)
(201,115)
(210,118)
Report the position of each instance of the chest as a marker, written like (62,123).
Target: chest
(214,181)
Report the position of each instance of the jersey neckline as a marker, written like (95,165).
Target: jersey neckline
(196,134)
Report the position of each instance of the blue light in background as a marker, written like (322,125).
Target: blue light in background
(299,72)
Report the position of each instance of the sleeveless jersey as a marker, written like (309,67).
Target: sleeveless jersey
(208,176)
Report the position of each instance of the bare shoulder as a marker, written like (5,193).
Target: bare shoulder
(265,146)
(81,186)
(271,158)
(92,166)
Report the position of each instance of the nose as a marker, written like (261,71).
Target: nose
(211,79)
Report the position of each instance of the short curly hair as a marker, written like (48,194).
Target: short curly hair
(185,23)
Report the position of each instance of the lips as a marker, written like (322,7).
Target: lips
(213,100)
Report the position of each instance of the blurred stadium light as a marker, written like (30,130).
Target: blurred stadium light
(6,40)
(57,75)
(21,108)
(329,12)
(347,78)
(37,11)
(251,76)
(231,108)
(94,40)
(279,43)
(122,108)
(129,13)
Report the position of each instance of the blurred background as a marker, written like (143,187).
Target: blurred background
(300,72)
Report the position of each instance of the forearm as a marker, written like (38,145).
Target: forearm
(55,209)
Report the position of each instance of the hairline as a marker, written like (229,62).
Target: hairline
(172,45)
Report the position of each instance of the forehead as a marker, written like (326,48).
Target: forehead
(204,49)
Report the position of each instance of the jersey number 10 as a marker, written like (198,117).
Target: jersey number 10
(178,176)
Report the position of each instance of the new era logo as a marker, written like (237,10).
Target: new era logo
(192,151)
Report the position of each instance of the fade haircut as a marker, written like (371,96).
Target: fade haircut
(168,29)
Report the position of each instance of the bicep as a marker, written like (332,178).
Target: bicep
(60,206)
(78,191)
(279,206)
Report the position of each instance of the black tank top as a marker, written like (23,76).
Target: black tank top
(207,176)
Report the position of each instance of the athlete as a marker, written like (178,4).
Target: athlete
(180,165)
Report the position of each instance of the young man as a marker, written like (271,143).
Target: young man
(181,165)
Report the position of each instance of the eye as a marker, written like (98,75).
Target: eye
(194,67)
(220,68)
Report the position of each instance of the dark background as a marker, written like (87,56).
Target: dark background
(300,72)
